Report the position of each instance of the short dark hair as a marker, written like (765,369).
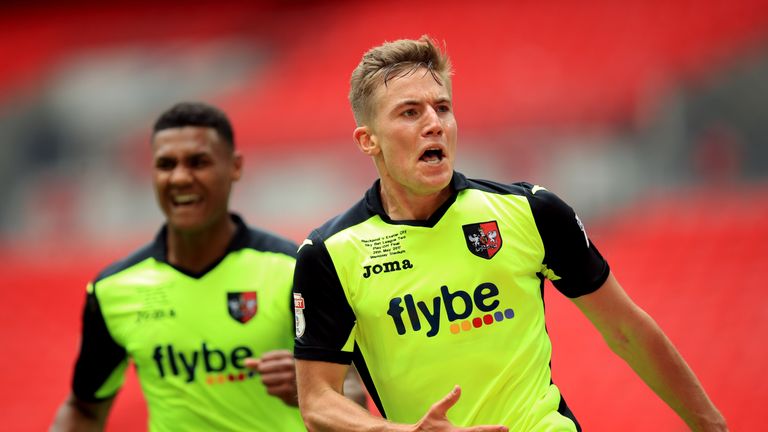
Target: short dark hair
(196,114)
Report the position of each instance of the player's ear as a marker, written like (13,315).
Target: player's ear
(366,141)
(237,166)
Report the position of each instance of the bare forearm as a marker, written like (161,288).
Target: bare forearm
(78,416)
(332,411)
(70,419)
(658,363)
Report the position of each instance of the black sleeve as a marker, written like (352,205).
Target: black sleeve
(324,318)
(99,354)
(577,265)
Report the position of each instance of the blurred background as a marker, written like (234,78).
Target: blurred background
(649,117)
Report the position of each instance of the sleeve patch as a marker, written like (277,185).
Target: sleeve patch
(298,308)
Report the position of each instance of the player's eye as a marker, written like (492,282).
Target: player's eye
(198,161)
(165,164)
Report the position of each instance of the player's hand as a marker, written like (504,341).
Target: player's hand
(278,374)
(436,421)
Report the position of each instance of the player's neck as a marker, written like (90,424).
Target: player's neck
(197,250)
(401,204)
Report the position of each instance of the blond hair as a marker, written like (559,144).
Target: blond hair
(394,60)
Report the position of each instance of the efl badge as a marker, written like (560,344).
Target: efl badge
(298,307)
(242,305)
(483,239)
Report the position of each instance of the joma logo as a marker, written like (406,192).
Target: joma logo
(386,267)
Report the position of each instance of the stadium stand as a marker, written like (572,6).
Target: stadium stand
(539,65)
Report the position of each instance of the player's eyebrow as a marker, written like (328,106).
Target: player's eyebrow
(406,102)
(413,102)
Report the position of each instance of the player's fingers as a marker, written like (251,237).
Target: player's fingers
(275,365)
(252,363)
(277,378)
(285,392)
(280,389)
(277,354)
(443,405)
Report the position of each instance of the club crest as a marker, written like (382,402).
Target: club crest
(483,239)
(242,305)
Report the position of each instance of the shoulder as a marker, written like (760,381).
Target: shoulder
(313,252)
(145,252)
(539,197)
(265,241)
(489,186)
(545,206)
(357,214)
(533,192)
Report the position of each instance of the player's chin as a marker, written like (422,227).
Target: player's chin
(186,221)
(435,180)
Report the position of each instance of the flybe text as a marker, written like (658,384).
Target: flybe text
(458,305)
(170,361)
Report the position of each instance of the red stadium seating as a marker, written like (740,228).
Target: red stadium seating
(517,63)
(694,261)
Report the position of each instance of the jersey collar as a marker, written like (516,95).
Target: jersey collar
(159,248)
(373,202)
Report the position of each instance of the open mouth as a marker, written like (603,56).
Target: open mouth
(432,155)
(185,199)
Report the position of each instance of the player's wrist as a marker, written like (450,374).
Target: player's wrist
(712,423)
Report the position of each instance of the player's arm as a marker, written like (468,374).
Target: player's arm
(633,335)
(99,372)
(325,408)
(76,415)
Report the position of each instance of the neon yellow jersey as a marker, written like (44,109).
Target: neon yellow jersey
(189,335)
(421,306)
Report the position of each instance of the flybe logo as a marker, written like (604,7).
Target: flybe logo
(216,364)
(459,307)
